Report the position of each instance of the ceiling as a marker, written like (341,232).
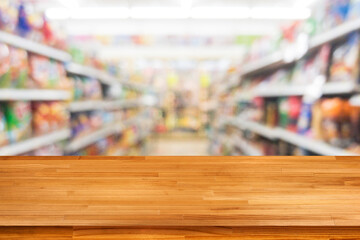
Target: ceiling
(173,3)
(182,27)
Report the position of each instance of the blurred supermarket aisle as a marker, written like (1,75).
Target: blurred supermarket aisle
(178,145)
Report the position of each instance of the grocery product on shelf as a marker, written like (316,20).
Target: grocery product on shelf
(86,122)
(13,67)
(23,27)
(289,111)
(4,138)
(345,60)
(304,122)
(335,124)
(18,117)
(47,74)
(86,88)
(49,116)
(307,69)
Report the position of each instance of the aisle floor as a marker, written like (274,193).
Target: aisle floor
(178,145)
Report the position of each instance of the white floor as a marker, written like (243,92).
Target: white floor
(178,146)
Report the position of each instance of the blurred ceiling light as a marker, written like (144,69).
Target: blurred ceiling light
(100,13)
(186,3)
(304,3)
(69,3)
(178,13)
(57,13)
(159,13)
(87,13)
(220,12)
(280,13)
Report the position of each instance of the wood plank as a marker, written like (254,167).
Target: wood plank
(179,191)
(180,233)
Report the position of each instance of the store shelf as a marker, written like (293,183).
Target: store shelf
(93,137)
(335,33)
(276,59)
(312,145)
(8,94)
(340,88)
(82,70)
(255,127)
(104,77)
(279,91)
(297,90)
(246,148)
(80,106)
(34,143)
(34,47)
(102,133)
(272,61)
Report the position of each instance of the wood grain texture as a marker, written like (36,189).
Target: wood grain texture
(179,191)
(180,233)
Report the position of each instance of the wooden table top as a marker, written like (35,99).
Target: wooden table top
(180,191)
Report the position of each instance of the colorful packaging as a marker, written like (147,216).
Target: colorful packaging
(345,60)
(294,112)
(283,112)
(92,89)
(304,122)
(23,27)
(49,116)
(8,16)
(19,67)
(3,128)
(39,71)
(307,70)
(354,12)
(78,90)
(355,123)
(316,122)
(47,74)
(18,117)
(5,75)
(336,125)
(14,68)
(271,115)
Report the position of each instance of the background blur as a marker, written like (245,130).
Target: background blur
(179,77)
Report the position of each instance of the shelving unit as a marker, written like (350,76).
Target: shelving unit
(334,34)
(272,61)
(62,95)
(82,70)
(312,145)
(276,60)
(8,94)
(246,148)
(331,88)
(315,146)
(103,77)
(13,94)
(110,129)
(35,143)
(34,47)
(93,137)
(255,127)
(90,105)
